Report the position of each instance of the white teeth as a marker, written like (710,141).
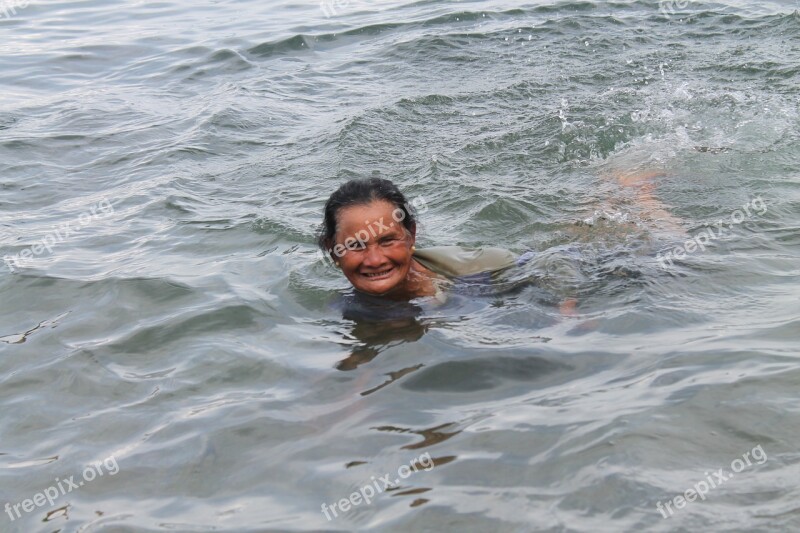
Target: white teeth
(378,273)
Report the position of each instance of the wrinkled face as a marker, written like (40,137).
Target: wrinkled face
(373,250)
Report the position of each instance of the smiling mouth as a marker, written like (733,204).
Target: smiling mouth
(379,275)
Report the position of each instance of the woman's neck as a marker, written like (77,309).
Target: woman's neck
(419,283)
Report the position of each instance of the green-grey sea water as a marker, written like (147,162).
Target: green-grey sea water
(163,167)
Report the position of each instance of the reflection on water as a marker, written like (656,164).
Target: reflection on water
(19,338)
(481,374)
(429,436)
(393,376)
(378,324)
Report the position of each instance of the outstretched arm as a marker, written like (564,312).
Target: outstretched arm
(640,183)
(568,307)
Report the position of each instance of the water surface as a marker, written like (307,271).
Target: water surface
(186,326)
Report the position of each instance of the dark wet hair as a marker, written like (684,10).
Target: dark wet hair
(360,192)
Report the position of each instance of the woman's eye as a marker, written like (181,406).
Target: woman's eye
(356,246)
(389,242)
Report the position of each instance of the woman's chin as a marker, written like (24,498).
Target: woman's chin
(378,287)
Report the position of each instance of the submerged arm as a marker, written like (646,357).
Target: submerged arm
(640,183)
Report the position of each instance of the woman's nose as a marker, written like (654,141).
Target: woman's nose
(374,257)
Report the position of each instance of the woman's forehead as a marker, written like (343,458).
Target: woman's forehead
(355,217)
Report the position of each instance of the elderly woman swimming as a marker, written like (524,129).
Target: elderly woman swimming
(369,230)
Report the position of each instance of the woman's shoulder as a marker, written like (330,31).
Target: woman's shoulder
(457,261)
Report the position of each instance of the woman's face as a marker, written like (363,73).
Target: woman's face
(372,248)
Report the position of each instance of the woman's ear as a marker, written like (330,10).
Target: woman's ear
(329,245)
